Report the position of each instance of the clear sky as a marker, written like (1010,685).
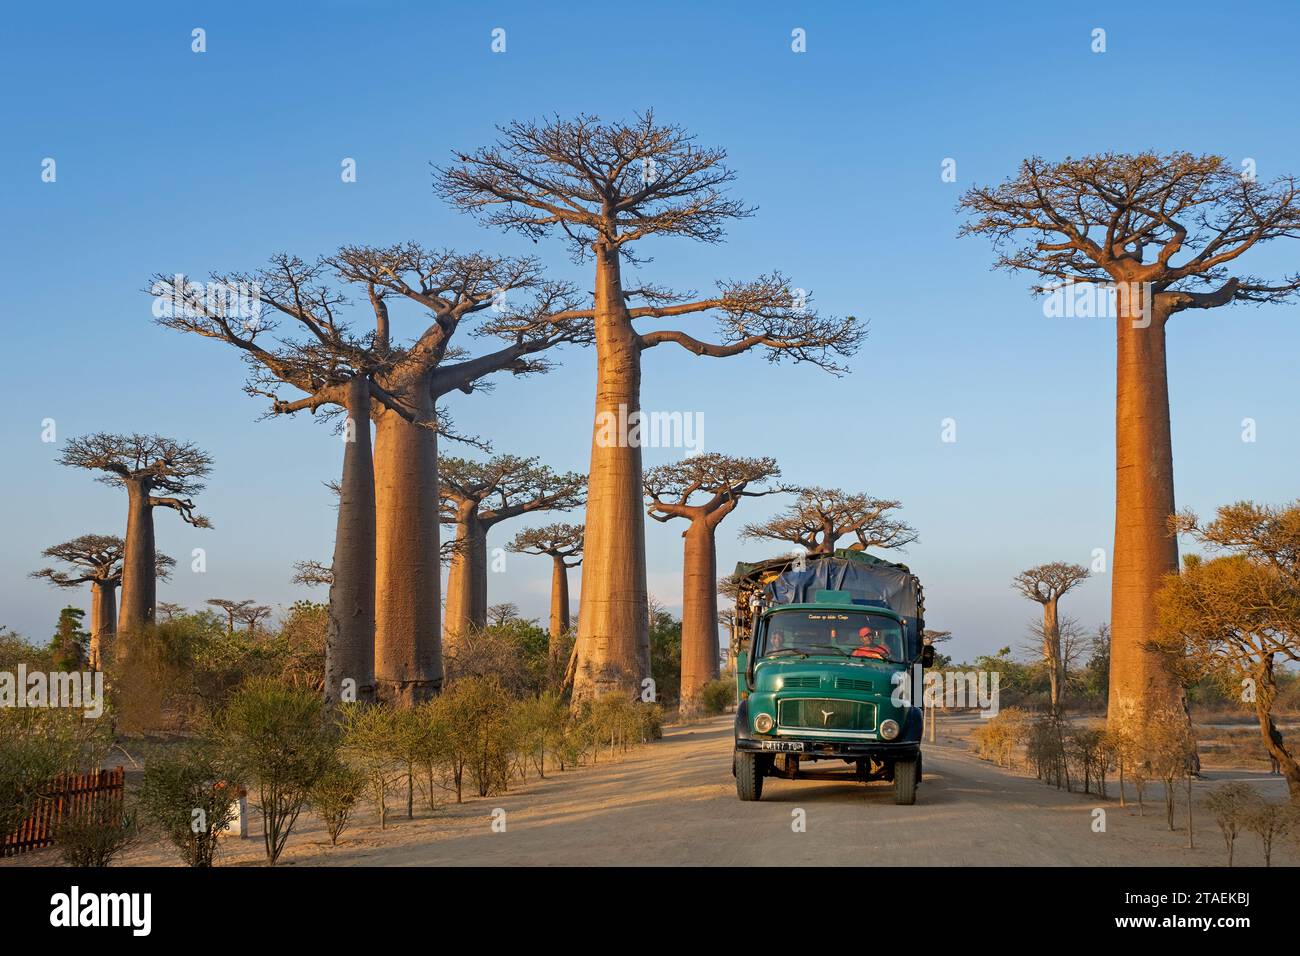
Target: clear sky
(173,161)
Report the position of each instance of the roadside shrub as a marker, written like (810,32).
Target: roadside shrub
(1088,752)
(998,737)
(1269,821)
(1230,805)
(367,746)
(92,836)
(717,696)
(334,796)
(1045,748)
(279,739)
(189,795)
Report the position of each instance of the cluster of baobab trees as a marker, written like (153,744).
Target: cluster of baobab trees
(373,338)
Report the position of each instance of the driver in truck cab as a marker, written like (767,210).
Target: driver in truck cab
(868,645)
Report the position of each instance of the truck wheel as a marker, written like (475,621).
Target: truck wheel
(905,774)
(749,776)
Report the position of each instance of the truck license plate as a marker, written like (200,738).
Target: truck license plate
(782,745)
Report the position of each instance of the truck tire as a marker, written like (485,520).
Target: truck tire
(905,774)
(749,776)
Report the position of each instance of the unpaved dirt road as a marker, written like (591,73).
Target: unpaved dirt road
(673,803)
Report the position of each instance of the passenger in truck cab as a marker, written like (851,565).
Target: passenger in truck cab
(869,645)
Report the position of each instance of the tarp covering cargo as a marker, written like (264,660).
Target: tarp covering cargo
(867,579)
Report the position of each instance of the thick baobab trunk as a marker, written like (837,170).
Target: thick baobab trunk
(613,625)
(699,614)
(1145,551)
(408,648)
(559,603)
(467,580)
(103,621)
(1052,652)
(350,639)
(139,565)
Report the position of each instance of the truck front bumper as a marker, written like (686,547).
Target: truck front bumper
(843,749)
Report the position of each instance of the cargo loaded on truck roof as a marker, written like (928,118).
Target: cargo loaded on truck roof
(828,640)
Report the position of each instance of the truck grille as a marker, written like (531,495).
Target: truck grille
(822,713)
(813,682)
(852,683)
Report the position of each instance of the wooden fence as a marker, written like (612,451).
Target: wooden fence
(68,794)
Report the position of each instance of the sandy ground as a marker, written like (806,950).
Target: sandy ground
(673,803)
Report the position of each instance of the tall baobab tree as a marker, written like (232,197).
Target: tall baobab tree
(476,496)
(603,187)
(143,465)
(1047,584)
(232,609)
(454,288)
(383,625)
(562,543)
(96,559)
(703,489)
(1165,232)
(820,517)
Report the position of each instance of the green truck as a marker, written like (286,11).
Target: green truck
(831,646)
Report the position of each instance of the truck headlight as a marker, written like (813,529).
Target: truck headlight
(763,723)
(889,729)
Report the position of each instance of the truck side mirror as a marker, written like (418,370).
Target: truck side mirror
(742,673)
(927,655)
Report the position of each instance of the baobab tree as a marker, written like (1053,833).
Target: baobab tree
(96,559)
(562,543)
(1047,584)
(819,517)
(478,495)
(143,465)
(383,626)
(603,187)
(703,489)
(233,610)
(1165,233)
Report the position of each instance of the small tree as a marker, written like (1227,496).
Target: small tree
(190,795)
(1269,821)
(94,834)
(279,738)
(1047,584)
(334,796)
(1230,805)
(233,610)
(368,734)
(70,644)
(1170,750)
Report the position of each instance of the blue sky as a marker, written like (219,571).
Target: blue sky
(168,161)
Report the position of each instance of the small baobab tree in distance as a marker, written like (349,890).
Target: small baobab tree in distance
(703,489)
(819,517)
(96,559)
(478,495)
(1047,584)
(603,187)
(143,465)
(1165,232)
(562,543)
(232,609)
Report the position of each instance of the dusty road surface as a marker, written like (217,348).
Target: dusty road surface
(673,803)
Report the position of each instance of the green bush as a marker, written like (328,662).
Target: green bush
(36,744)
(92,836)
(190,796)
(717,696)
(334,796)
(280,740)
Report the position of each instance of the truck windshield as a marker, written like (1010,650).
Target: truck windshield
(859,635)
